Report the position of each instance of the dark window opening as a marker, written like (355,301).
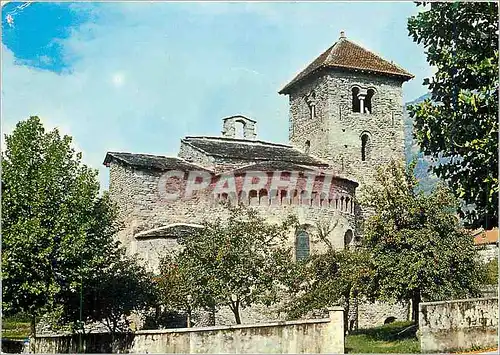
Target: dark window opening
(302,247)
(283,196)
(253,198)
(311,102)
(368,100)
(356,107)
(239,129)
(389,320)
(365,147)
(312,111)
(263,197)
(307,147)
(348,238)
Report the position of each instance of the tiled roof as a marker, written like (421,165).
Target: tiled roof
(273,166)
(347,55)
(482,237)
(287,166)
(156,162)
(251,150)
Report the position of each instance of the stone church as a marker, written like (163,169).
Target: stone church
(346,117)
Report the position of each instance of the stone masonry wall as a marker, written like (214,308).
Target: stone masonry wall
(458,325)
(191,154)
(488,252)
(335,133)
(320,336)
(377,313)
(142,208)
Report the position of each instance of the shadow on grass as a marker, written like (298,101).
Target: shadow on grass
(397,337)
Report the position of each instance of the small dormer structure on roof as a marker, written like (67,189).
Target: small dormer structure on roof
(230,125)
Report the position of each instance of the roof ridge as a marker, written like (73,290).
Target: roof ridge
(331,48)
(377,55)
(148,154)
(239,140)
(350,55)
(120,156)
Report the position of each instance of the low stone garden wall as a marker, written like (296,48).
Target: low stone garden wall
(319,336)
(458,324)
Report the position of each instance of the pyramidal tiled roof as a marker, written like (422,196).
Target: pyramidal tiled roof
(347,55)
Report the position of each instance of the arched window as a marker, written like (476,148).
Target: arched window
(253,198)
(263,197)
(307,147)
(283,197)
(348,236)
(368,100)
(365,147)
(239,129)
(311,102)
(356,107)
(302,247)
(295,197)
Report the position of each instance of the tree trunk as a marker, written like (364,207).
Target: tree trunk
(415,301)
(237,316)
(113,332)
(346,315)
(235,307)
(188,320)
(33,333)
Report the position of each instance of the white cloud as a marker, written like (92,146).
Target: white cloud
(143,76)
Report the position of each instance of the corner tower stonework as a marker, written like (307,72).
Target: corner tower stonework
(346,108)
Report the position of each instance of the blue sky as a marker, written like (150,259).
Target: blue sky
(137,77)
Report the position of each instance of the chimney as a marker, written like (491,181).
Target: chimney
(342,34)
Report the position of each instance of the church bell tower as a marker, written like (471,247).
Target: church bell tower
(346,108)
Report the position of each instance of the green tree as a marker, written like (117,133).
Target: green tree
(327,279)
(324,280)
(236,260)
(178,288)
(57,232)
(491,272)
(458,124)
(418,247)
(119,289)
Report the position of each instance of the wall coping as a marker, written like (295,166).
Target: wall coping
(456,301)
(236,326)
(208,329)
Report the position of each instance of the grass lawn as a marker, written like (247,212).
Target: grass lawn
(383,339)
(16,327)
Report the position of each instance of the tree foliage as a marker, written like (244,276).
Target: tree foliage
(120,288)
(328,279)
(491,272)
(179,290)
(459,122)
(418,247)
(235,261)
(57,232)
